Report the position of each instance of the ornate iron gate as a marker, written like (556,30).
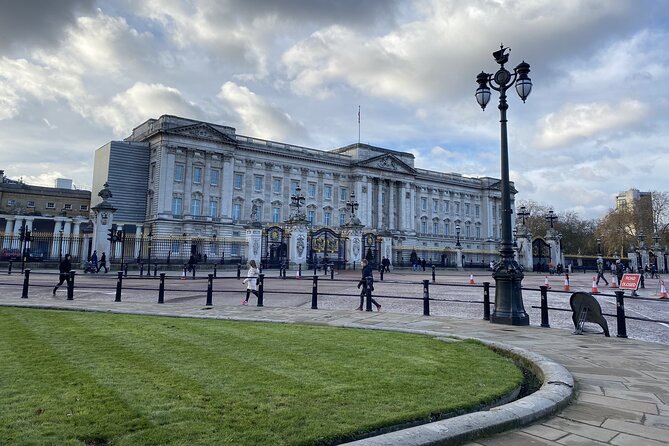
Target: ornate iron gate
(541,254)
(274,247)
(371,249)
(326,246)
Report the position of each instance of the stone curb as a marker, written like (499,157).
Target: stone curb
(555,393)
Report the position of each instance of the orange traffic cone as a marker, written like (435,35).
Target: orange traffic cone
(471,279)
(614,281)
(663,290)
(546,284)
(595,290)
(566,282)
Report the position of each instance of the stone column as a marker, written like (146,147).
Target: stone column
(227,184)
(254,242)
(380,211)
(9,228)
(403,206)
(297,249)
(412,208)
(75,238)
(370,202)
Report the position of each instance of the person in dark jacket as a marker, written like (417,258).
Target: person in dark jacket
(103,263)
(64,268)
(367,272)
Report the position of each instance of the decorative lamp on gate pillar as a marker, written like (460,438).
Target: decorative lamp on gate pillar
(508,273)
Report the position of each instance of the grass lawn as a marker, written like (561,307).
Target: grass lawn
(73,378)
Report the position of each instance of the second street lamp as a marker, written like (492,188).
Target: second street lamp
(508,274)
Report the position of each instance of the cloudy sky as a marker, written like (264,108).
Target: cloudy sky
(75,74)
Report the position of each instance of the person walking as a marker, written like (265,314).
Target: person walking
(251,281)
(94,260)
(600,271)
(620,270)
(103,263)
(64,268)
(367,272)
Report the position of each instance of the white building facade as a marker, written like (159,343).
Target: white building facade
(203,180)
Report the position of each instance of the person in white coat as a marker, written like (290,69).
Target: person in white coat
(251,281)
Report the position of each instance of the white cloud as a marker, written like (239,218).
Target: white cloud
(258,117)
(579,122)
(143,101)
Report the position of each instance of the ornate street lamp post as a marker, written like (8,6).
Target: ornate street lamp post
(599,247)
(508,273)
(457,235)
(523,214)
(352,205)
(551,217)
(297,200)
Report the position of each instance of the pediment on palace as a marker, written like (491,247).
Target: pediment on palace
(203,131)
(388,162)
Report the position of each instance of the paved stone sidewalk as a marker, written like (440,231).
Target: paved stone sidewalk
(621,385)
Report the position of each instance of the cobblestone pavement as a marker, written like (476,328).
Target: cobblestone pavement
(622,385)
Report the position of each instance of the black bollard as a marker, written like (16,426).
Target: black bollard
(70,286)
(284,272)
(381,274)
(354,265)
(119,286)
(161,289)
(193,271)
(434,278)
(426,297)
(125,270)
(214,270)
(544,306)
(210,289)
(239,271)
(314,293)
(9,269)
(620,313)
(141,269)
(486,301)
(261,289)
(299,270)
(331,271)
(26,283)
(642,283)
(155,270)
(368,294)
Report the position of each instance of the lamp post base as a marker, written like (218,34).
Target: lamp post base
(509,309)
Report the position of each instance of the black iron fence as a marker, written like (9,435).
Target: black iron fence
(280,284)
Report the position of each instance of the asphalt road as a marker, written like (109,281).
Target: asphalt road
(401,292)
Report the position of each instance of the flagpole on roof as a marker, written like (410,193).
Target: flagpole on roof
(358,125)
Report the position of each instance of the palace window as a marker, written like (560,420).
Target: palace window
(276,185)
(213,208)
(327,218)
(238,180)
(327,192)
(215,178)
(311,190)
(257,183)
(423,204)
(195,206)
(179,170)
(236,211)
(276,214)
(176,205)
(311,216)
(343,194)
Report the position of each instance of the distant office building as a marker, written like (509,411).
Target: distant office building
(640,204)
(182,177)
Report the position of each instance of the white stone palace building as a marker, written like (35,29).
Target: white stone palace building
(182,177)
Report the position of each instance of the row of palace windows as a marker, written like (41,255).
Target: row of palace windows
(447,207)
(48,205)
(449,229)
(197,175)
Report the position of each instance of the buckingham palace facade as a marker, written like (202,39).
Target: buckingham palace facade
(175,176)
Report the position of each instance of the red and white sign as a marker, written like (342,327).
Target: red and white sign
(630,281)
